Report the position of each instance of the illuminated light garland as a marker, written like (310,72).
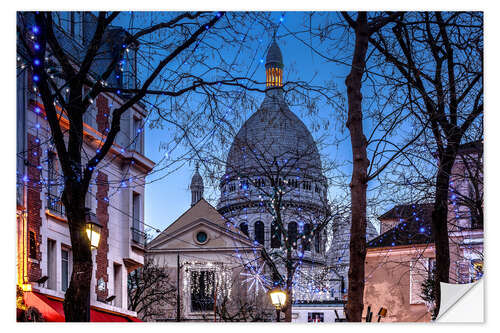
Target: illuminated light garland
(255,279)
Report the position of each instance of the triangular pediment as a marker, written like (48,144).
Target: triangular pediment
(202,217)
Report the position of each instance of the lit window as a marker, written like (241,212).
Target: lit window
(32,242)
(202,290)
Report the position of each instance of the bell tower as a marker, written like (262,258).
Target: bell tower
(196,186)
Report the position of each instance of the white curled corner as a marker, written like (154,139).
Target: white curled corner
(462,303)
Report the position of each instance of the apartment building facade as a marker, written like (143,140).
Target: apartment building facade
(115,198)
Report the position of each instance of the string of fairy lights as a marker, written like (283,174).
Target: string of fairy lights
(307,280)
(256,276)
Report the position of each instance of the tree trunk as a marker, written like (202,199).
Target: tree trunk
(440,222)
(77,297)
(289,284)
(359,179)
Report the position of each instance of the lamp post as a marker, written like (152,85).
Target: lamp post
(93,229)
(278,299)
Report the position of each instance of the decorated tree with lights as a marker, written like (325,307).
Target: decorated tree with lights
(277,177)
(438,58)
(67,79)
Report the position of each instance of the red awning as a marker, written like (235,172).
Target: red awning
(52,310)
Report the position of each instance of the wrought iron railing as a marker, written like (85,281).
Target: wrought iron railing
(138,236)
(54,204)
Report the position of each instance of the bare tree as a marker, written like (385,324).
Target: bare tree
(438,57)
(177,46)
(363,29)
(274,171)
(149,289)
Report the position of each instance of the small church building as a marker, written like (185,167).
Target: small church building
(208,261)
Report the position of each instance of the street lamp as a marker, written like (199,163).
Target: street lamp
(93,229)
(278,299)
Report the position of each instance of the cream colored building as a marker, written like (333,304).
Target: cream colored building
(209,257)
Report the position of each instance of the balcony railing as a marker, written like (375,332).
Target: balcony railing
(54,204)
(138,236)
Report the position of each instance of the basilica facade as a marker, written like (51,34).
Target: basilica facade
(275,192)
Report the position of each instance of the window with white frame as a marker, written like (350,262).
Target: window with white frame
(137,230)
(419,272)
(138,135)
(65,268)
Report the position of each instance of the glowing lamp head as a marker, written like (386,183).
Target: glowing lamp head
(93,229)
(278,297)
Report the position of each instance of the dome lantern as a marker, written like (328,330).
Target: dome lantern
(274,66)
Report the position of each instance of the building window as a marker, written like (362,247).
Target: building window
(307,237)
(292,234)
(138,135)
(306,185)
(54,203)
(202,290)
(244,228)
(137,234)
(89,115)
(280,182)
(315,317)
(89,198)
(477,270)
(419,272)
(232,187)
(259,232)
(51,264)
(64,269)
(201,237)
(275,236)
(317,243)
(72,24)
(244,185)
(32,244)
(463,271)
(117,272)
(292,183)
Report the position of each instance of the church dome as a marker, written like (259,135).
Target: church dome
(274,142)
(274,134)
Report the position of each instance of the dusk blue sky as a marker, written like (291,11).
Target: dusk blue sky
(167,198)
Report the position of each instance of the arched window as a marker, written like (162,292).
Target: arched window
(259,232)
(306,243)
(292,234)
(317,243)
(275,236)
(244,228)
